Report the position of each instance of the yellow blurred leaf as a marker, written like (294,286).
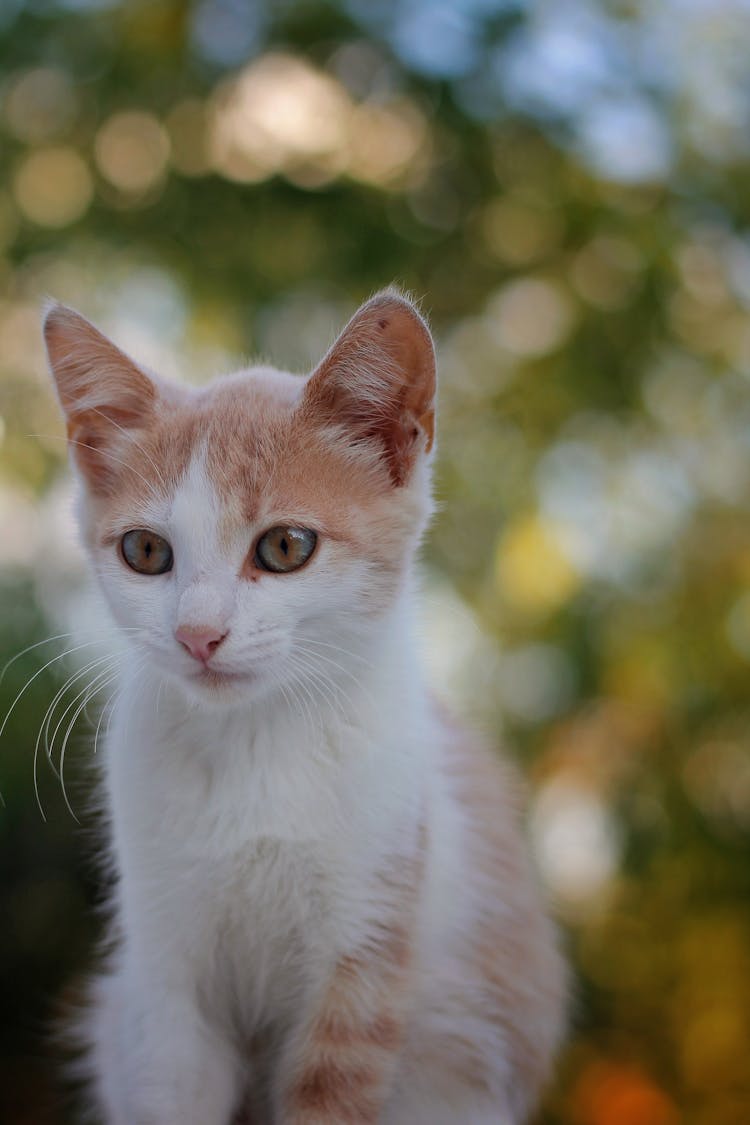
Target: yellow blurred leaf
(532,570)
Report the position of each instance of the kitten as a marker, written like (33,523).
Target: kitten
(323,910)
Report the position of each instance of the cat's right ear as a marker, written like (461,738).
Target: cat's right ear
(377,383)
(103,393)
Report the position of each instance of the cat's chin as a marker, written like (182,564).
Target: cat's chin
(219,689)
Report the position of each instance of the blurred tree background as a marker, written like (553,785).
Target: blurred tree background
(566,184)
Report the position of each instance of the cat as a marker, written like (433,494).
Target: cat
(323,909)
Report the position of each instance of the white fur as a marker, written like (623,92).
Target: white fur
(248,835)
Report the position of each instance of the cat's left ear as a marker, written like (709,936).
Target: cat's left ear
(377,383)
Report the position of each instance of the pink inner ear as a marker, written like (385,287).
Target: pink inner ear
(103,394)
(378,381)
(91,373)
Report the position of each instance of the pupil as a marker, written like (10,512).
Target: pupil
(284,546)
(148,549)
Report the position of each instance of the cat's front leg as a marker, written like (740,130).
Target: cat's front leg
(156,1059)
(342,1061)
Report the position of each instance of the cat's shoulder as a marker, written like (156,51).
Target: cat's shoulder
(480,775)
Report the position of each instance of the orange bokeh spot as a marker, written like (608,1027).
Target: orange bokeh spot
(617,1094)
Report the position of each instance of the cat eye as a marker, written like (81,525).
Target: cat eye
(285,548)
(146,552)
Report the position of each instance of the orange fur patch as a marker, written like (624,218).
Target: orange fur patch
(336,1093)
(513,950)
(353,1047)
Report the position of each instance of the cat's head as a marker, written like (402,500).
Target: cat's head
(263,522)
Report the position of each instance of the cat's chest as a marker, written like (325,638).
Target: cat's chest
(226,846)
(252,922)
(203,797)
(276,898)
(255,859)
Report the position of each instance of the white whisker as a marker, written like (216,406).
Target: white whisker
(112,701)
(337,648)
(338,699)
(30,648)
(30,681)
(86,696)
(112,711)
(108,703)
(58,637)
(322,688)
(313,668)
(314,658)
(107,671)
(294,683)
(46,721)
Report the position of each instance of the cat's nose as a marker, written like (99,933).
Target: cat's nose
(201,641)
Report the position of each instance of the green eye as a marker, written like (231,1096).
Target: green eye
(285,548)
(146,552)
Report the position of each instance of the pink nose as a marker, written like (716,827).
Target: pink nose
(201,641)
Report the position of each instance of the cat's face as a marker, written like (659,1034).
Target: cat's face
(260,527)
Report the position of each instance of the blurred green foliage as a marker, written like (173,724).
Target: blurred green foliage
(567,188)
